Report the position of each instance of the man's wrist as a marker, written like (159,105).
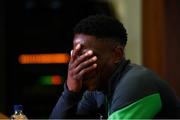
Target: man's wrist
(71,95)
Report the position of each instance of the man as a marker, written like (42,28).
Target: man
(101,83)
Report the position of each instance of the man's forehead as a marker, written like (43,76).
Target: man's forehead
(83,39)
(88,41)
(78,41)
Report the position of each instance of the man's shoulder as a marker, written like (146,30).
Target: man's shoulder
(136,81)
(139,72)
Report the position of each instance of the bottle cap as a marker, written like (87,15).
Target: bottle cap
(18,107)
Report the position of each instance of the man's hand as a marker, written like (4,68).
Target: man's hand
(79,66)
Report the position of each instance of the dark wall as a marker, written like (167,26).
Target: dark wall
(2,58)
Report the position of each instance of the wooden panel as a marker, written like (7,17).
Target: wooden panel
(154,36)
(173,42)
(161,39)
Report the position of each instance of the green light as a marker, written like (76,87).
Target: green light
(51,80)
(45,80)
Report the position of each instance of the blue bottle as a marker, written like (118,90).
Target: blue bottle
(18,113)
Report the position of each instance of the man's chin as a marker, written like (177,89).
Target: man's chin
(91,84)
(95,88)
(94,84)
(92,89)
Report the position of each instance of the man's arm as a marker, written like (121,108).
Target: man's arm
(66,107)
(79,65)
(74,105)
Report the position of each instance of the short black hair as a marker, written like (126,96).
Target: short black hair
(102,26)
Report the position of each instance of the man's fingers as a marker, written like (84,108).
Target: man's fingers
(82,58)
(88,69)
(84,71)
(71,52)
(75,52)
(85,64)
(71,57)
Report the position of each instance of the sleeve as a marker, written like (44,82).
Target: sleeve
(72,105)
(92,105)
(66,107)
(145,108)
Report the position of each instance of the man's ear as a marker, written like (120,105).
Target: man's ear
(118,54)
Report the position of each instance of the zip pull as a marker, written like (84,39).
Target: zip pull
(100,117)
